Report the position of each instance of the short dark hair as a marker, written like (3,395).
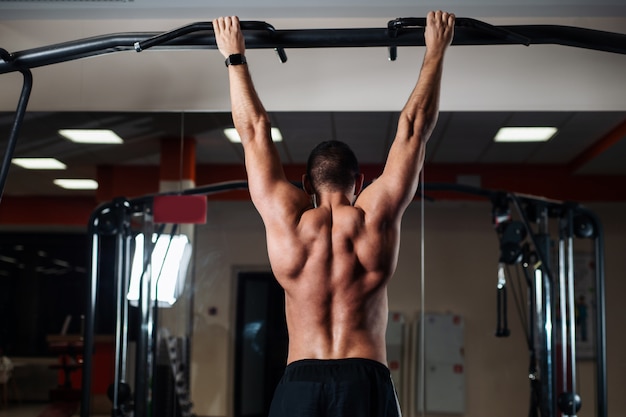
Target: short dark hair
(332,166)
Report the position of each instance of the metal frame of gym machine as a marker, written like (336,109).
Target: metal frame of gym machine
(398,32)
(114,219)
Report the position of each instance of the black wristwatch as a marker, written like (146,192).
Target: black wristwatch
(235,59)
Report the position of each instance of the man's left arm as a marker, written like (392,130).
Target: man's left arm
(391,193)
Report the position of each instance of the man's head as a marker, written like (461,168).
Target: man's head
(332,166)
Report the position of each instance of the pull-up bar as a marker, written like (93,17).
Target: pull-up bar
(261,35)
(394,27)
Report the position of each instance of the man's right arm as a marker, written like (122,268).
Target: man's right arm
(276,199)
(392,192)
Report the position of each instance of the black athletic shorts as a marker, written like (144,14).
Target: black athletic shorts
(350,387)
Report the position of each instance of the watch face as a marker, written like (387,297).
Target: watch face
(235,59)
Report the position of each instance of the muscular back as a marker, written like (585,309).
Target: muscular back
(334,263)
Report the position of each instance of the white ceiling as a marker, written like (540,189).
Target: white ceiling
(353,92)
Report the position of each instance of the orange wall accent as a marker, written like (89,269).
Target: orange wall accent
(126,181)
(598,147)
(215,173)
(554,182)
(173,155)
(46,210)
(210,174)
(103,371)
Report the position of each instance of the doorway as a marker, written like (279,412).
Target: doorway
(261,342)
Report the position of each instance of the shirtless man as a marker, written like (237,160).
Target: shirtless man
(333,247)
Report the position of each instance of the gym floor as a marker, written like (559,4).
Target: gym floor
(39,410)
(23,410)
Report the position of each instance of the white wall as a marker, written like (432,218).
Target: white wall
(461,254)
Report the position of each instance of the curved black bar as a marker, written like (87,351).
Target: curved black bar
(27,87)
(204,26)
(138,204)
(173,34)
(5,55)
(597,40)
(69,51)
(191,28)
(460,188)
(218,188)
(318,38)
(394,26)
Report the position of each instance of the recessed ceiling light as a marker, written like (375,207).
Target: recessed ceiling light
(525,134)
(77,184)
(39,163)
(91,136)
(233,136)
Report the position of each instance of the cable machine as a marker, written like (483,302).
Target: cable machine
(121,221)
(114,219)
(546,256)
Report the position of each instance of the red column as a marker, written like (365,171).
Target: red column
(178,163)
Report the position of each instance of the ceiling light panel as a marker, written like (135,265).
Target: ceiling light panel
(91,136)
(525,134)
(77,184)
(233,136)
(39,163)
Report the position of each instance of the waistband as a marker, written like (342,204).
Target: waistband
(336,362)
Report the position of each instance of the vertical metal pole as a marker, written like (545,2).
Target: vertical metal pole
(533,313)
(539,322)
(601,392)
(549,388)
(143,365)
(118,321)
(563,263)
(17,122)
(90,310)
(549,397)
(600,330)
(120,277)
(544,343)
(125,285)
(571,302)
(190,291)
(541,241)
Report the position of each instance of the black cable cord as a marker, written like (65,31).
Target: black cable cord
(147,257)
(502,329)
(518,302)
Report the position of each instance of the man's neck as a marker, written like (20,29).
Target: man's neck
(333,199)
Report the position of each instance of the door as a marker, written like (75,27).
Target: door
(261,342)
